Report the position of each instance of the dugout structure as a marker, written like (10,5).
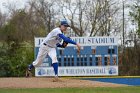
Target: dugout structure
(98,57)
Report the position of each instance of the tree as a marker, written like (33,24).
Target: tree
(14,52)
(135,14)
(23,26)
(2,23)
(74,11)
(45,11)
(91,17)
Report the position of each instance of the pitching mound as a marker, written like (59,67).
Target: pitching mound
(48,83)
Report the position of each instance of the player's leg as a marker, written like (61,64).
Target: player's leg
(43,50)
(52,55)
(40,57)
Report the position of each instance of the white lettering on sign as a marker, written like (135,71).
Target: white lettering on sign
(96,40)
(38,41)
(78,71)
(86,41)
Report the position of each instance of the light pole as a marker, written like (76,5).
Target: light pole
(109,18)
(123,25)
(109,30)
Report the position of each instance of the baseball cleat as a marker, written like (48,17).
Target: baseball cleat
(30,67)
(28,73)
(56,79)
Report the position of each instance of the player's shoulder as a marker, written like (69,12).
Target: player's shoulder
(56,30)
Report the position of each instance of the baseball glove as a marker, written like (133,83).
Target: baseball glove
(64,44)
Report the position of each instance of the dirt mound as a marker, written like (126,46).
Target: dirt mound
(48,83)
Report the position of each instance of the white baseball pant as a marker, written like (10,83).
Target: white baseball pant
(43,51)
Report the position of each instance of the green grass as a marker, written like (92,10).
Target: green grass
(74,90)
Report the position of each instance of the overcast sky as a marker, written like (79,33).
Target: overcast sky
(17,3)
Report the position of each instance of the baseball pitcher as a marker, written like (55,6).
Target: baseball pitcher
(48,47)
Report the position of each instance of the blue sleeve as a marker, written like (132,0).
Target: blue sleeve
(66,39)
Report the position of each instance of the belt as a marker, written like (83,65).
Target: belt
(47,45)
(44,44)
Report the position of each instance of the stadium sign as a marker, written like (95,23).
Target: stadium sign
(98,57)
(78,71)
(84,41)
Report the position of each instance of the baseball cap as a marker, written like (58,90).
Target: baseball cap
(65,23)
